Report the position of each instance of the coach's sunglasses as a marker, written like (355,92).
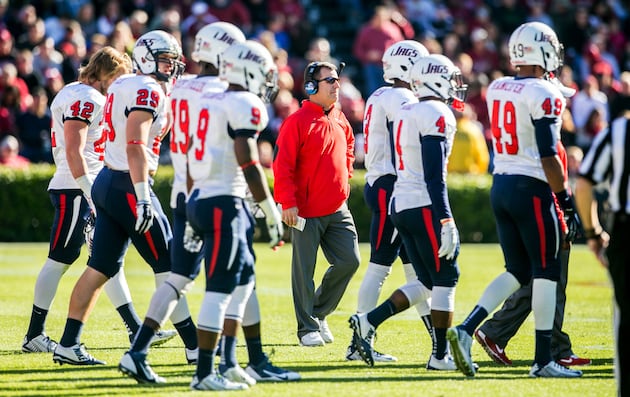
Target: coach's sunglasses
(329,80)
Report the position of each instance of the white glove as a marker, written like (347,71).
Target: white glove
(144,213)
(273,220)
(88,231)
(450,238)
(85,183)
(192,241)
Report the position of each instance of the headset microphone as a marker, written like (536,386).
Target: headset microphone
(341,66)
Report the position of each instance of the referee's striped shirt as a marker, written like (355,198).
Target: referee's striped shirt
(608,159)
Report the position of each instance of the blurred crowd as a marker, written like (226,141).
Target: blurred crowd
(43,43)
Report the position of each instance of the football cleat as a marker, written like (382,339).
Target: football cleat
(216,382)
(496,353)
(162,336)
(573,360)
(74,355)
(267,372)
(39,344)
(362,337)
(312,339)
(191,355)
(325,332)
(135,365)
(553,370)
(460,343)
(445,364)
(236,374)
(353,355)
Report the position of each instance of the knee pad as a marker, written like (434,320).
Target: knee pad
(212,312)
(236,307)
(443,299)
(415,292)
(252,310)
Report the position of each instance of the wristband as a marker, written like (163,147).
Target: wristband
(135,142)
(250,164)
(85,183)
(591,233)
(446,220)
(267,206)
(562,196)
(142,191)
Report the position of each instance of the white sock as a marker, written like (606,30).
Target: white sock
(423,307)
(371,286)
(504,285)
(117,289)
(47,283)
(543,303)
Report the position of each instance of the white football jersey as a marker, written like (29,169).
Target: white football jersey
(129,93)
(380,110)
(211,159)
(76,101)
(413,122)
(185,107)
(513,105)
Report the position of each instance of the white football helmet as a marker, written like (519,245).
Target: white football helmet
(250,65)
(150,46)
(213,39)
(436,76)
(399,58)
(535,43)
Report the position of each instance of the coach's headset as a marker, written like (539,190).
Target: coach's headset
(310,84)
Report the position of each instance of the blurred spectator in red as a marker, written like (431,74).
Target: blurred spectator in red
(233,11)
(483,52)
(353,107)
(373,38)
(7,50)
(9,78)
(588,99)
(9,154)
(34,129)
(9,110)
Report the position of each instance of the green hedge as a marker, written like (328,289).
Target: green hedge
(26,213)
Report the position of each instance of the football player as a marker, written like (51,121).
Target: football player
(385,242)
(223,164)
(526,119)
(134,121)
(77,145)
(423,139)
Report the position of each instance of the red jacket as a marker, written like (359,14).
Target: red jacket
(313,161)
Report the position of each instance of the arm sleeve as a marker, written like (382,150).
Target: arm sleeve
(284,163)
(546,140)
(434,165)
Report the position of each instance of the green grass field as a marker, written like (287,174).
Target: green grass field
(324,370)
